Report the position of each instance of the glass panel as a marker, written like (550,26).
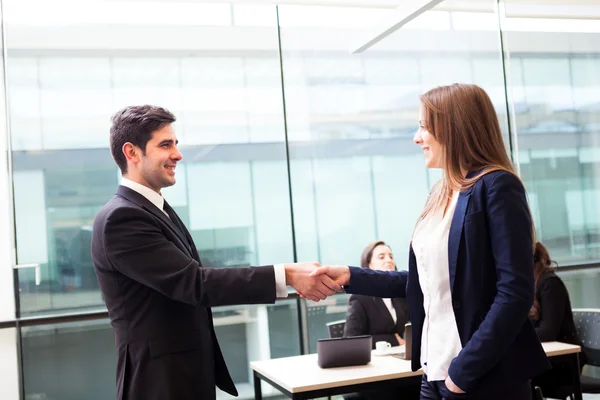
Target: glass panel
(555,82)
(356,174)
(252,333)
(232,190)
(9,376)
(583,287)
(86,354)
(319,314)
(351,120)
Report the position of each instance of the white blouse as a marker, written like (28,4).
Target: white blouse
(391,309)
(440,341)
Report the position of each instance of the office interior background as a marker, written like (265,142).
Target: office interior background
(294,148)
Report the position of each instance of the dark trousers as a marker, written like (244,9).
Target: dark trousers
(437,390)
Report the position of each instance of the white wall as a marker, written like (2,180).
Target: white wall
(9,378)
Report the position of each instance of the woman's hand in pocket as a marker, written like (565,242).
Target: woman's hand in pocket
(452,387)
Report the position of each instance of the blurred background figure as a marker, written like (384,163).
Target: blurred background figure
(384,319)
(552,318)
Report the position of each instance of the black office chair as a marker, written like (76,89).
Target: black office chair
(336,328)
(587,323)
(537,393)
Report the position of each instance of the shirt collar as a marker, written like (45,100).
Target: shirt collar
(151,195)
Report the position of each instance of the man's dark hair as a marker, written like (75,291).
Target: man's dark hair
(135,124)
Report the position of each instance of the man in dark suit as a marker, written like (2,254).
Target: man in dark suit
(158,295)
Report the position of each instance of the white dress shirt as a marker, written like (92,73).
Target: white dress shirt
(391,309)
(159,202)
(440,341)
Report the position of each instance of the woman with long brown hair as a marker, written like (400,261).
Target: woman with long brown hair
(470,282)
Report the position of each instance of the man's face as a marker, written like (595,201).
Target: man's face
(156,168)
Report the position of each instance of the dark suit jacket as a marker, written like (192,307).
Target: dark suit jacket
(369,316)
(159,297)
(490,254)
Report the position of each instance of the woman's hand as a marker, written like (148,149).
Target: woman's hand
(452,387)
(340,274)
(400,340)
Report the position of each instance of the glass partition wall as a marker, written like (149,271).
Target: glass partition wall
(295,147)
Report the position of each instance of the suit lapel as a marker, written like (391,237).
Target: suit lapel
(397,307)
(456,229)
(147,205)
(383,310)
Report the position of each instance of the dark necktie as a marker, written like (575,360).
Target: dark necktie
(179,225)
(174,218)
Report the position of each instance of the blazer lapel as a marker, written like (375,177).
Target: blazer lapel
(146,204)
(456,229)
(383,310)
(399,312)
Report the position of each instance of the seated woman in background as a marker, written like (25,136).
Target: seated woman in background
(384,319)
(552,318)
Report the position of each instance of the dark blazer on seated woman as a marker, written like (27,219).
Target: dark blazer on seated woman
(552,318)
(370,315)
(490,254)
(554,321)
(551,312)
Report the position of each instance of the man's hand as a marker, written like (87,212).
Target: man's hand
(313,287)
(339,273)
(452,387)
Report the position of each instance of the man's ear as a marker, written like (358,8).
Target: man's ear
(132,152)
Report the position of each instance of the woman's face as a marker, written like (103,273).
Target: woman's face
(382,259)
(432,149)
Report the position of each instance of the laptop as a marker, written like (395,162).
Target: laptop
(407,353)
(344,352)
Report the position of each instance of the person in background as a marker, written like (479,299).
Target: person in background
(384,319)
(552,319)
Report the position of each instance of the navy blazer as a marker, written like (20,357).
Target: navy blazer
(490,254)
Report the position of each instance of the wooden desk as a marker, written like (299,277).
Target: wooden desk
(301,378)
(554,349)
(570,353)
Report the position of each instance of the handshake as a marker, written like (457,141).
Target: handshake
(316,282)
